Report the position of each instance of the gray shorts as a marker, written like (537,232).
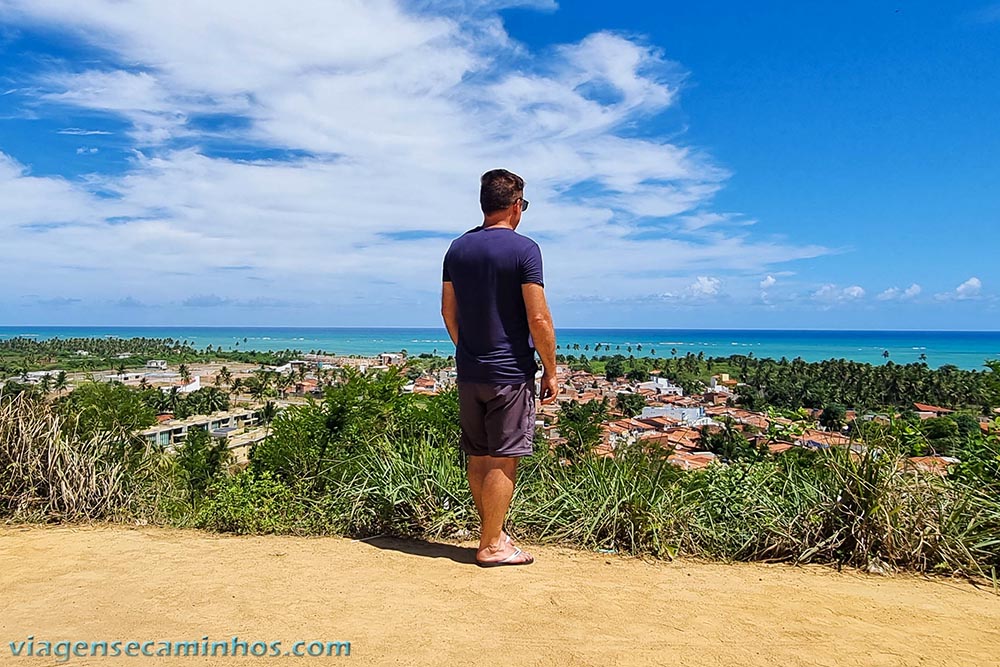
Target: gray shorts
(497,419)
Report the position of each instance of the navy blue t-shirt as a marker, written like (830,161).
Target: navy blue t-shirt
(487,267)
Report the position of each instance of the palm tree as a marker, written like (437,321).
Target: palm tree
(61,381)
(185,373)
(268,412)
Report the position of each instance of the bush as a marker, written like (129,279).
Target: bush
(251,503)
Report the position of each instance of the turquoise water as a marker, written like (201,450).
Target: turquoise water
(965,349)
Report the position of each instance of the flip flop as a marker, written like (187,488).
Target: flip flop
(508,561)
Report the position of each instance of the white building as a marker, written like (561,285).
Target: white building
(662,386)
(193,385)
(391,358)
(688,416)
(158,364)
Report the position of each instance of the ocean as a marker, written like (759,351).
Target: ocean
(965,349)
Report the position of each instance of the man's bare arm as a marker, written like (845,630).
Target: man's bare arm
(543,333)
(449,310)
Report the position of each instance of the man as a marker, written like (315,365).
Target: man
(493,303)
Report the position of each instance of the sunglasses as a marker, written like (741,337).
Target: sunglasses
(524,204)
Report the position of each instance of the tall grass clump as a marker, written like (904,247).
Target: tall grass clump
(366,460)
(50,471)
(627,503)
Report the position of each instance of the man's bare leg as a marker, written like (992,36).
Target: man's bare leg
(491,480)
(475,473)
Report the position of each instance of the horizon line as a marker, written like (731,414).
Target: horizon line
(442,328)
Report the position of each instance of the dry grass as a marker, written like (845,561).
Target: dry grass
(48,473)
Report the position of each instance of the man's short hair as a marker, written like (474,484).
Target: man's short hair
(499,189)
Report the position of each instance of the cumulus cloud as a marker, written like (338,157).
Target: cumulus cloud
(969,289)
(705,286)
(383,118)
(834,294)
(897,294)
(768,282)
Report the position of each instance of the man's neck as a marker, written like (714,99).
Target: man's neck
(497,222)
(502,224)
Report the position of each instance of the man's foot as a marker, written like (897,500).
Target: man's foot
(505,554)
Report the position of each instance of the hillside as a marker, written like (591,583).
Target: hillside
(412,603)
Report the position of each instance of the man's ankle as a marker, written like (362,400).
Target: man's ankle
(494,545)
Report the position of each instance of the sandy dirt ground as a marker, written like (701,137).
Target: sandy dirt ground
(414,603)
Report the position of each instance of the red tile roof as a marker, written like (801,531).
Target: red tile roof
(923,407)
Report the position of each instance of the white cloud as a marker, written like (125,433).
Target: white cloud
(969,289)
(80,132)
(895,293)
(399,113)
(768,282)
(705,286)
(834,294)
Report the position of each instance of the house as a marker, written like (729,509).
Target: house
(814,439)
(157,364)
(34,377)
(691,460)
(684,415)
(182,387)
(392,359)
(925,411)
(660,386)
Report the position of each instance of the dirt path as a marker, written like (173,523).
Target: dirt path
(401,603)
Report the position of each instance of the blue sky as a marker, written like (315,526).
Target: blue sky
(711,164)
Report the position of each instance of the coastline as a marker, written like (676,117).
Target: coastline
(964,349)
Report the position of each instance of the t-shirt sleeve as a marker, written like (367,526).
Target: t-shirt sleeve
(531,266)
(445,274)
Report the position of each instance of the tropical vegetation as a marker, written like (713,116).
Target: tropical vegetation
(369,459)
